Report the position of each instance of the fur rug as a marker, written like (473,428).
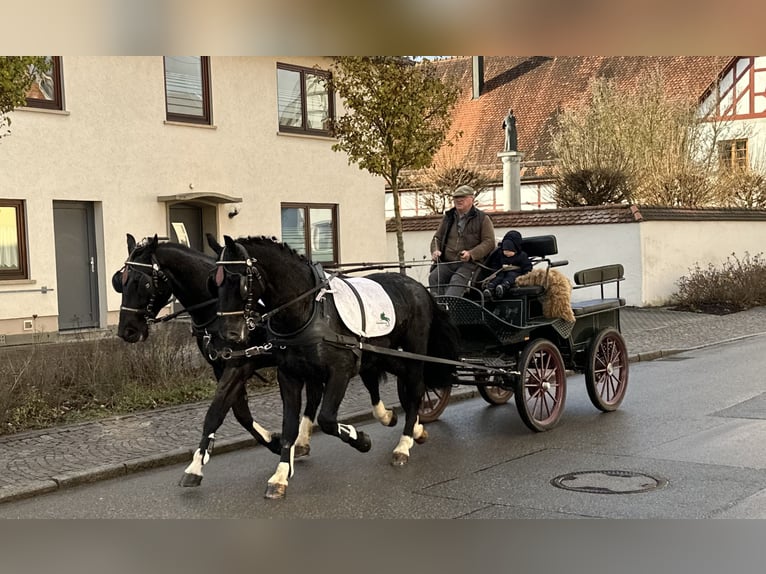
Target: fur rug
(557,297)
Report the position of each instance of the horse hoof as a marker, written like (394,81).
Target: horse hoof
(302,450)
(400,459)
(275,491)
(423,437)
(189,479)
(394,419)
(362,442)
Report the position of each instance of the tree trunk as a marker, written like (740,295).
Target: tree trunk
(398,225)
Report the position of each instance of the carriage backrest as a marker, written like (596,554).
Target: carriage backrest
(540,245)
(600,275)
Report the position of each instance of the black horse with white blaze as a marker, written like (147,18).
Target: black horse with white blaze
(153,272)
(313,345)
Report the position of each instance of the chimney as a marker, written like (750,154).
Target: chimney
(478,76)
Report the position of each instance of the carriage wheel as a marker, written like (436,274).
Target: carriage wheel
(606,372)
(433,404)
(542,387)
(494,395)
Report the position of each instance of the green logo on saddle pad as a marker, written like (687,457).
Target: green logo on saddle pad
(384,319)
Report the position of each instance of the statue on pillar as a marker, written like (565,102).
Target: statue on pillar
(509,125)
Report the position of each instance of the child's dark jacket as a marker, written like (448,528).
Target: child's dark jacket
(496,260)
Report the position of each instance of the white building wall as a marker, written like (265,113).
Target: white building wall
(583,246)
(113,146)
(655,254)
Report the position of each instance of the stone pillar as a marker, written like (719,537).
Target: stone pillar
(511,179)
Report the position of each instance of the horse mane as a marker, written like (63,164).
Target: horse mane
(170,246)
(271,241)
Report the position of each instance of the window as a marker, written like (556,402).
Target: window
(312,230)
(304,99)
(733,153)
(46,91)
(13,240)
(187,89)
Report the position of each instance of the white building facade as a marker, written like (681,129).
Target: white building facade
(177,147)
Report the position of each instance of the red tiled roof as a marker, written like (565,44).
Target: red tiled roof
(537,87)
(596,215)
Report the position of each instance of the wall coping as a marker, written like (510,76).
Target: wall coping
(597,215)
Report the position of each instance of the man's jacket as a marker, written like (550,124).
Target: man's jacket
(478,236)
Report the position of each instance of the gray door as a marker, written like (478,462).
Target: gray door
(76,277)
(186,225)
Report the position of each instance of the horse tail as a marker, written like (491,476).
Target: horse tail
(443,341)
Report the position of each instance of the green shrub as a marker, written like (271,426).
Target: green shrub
(737,285)
(49,384)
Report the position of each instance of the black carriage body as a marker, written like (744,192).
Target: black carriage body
(506,334)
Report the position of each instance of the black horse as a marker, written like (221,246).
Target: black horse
(312,344)
(153,273)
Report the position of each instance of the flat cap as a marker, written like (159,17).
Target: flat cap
(464,191)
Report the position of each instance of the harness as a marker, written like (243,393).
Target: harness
(310,332)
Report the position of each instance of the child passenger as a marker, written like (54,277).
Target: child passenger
(511,262)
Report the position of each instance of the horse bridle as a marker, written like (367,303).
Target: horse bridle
(156,276)
(252,317)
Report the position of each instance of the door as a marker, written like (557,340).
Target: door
(186,225)
(76,277)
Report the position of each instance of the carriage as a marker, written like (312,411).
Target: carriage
(270,306)
(515,348)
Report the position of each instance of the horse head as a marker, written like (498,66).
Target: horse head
(144,288)
(238,283)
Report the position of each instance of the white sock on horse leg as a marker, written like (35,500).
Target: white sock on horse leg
(382,414)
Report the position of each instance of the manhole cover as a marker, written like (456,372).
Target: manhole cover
(608,482)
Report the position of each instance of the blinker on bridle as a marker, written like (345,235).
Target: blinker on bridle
(156,276)
(252,318)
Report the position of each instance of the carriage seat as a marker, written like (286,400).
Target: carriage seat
(598,276)
(538,248)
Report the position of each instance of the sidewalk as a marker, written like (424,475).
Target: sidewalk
(42,461)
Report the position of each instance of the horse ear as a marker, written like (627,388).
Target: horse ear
(229,241)
(131,243)
(214,245)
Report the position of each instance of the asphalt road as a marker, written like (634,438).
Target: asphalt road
(695,420)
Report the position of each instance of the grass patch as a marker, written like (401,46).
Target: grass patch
(50,384)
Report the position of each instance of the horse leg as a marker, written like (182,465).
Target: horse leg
(291,405)
(371,380)
(242,413)
(411,389)
(228,385)
(313,399)
(328,415)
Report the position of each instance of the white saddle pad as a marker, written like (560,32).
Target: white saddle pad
(363,305)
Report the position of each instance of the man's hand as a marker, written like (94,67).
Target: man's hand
(465,256)
(436,254)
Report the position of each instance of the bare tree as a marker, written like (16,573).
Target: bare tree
(435,183)
(640,146)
